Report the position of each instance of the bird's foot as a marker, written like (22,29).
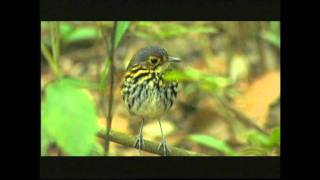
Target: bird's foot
(164,146)
(139,142)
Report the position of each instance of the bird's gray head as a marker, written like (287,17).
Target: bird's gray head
(151,57)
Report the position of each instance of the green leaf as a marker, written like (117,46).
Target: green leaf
(272,37)
(214,82)
(260,140)
(122,27)
(194,74)
(212,142)
(175,75)
(69,116)
(66,29)
(275,136)
(206,81)
(81,33)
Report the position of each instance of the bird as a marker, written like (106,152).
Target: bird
(145,91)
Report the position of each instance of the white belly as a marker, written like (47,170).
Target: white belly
(149,100)
(151,105)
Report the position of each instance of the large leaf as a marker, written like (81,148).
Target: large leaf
(69,117)
(213,142)
(122,27)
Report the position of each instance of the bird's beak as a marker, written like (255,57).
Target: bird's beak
(174,59)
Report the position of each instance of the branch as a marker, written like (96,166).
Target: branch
(149,146)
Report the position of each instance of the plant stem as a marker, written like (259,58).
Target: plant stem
(108,73)
(261,49)
(55,40)
(53,64)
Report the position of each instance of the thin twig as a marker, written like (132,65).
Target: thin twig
(149,146)
(240,116)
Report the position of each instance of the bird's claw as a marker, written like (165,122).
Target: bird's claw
(139,142)
(165,147)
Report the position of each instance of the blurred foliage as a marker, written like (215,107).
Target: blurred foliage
(53,55)
(213,143)
(75,34)
(148,30)
(71,32)
(120,30)
(273,35)
(206,81)
(64,120)
(262,144)
(122,27)
(239,68)
(224,58)
(105,75)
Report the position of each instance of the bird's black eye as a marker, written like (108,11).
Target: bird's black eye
(154,61)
